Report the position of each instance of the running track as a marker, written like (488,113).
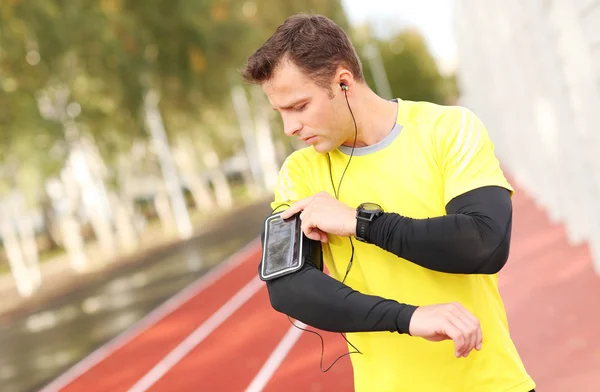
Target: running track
(220,334)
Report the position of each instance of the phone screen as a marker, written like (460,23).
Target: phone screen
(280,245)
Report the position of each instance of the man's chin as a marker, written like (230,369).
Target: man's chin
(322,148)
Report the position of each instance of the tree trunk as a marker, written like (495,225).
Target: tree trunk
(24,283)
(223,194)
(264,136)
(64,196)
(23,220)
(155,125)
(242,109)
(72,241)
(94,198)
(19,241)
(29,248)
(198,187)
(200,192)
(124,223)
(165,213)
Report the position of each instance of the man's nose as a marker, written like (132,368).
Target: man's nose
(291,126)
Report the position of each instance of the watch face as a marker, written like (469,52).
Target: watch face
(370,207)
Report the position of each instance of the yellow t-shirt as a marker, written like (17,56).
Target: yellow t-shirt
(433,154)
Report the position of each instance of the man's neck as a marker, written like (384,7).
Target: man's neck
(375,117)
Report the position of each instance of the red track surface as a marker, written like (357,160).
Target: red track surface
(549,288)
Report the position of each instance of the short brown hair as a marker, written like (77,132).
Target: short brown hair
(314,43)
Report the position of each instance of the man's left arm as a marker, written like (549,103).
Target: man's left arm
(473,238)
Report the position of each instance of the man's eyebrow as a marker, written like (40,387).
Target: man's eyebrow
(295,103)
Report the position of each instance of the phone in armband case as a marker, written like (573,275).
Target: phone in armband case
(286,248)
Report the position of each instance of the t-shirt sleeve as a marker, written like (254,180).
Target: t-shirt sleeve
(292,183)
(467,156)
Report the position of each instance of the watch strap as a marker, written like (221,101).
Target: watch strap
(362,229)
(364,217)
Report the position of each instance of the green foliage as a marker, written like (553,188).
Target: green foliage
(411,69)
(103,55)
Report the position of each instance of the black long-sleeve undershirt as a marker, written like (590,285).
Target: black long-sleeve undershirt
(317,299)
(473,238)
(477,228)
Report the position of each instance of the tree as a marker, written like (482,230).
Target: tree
(411,69)
(77,76)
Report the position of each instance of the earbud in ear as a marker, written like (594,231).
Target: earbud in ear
(343,86)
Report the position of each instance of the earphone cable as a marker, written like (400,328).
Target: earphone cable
(337,192)
(337,195)
(323,347)
(351,152)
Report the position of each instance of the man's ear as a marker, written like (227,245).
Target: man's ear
(344,79)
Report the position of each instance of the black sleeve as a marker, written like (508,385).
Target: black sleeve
(473,238)
(313,297)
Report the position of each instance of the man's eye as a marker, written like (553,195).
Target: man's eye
(300,108)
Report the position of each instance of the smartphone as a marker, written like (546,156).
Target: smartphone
(282,246)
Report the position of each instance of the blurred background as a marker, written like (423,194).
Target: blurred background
(133,159)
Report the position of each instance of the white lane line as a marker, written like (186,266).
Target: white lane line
(153,317)
(196,337)
(276,358)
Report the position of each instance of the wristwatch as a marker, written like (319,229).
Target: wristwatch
(365,214)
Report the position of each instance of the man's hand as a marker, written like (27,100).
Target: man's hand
(448,321)
(322,214)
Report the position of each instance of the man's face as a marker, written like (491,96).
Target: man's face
(307,110)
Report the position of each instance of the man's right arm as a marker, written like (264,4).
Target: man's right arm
(318,300)
(311,296)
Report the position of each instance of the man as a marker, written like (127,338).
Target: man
(414,216)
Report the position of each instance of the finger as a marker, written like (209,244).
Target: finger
(477,325)
(464,329)
(322,235)
(313,234)
(478,334)
(307,228)
(310,230)
(470,327)
(457,337)
(296,207)
(317,235)
(306,225)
